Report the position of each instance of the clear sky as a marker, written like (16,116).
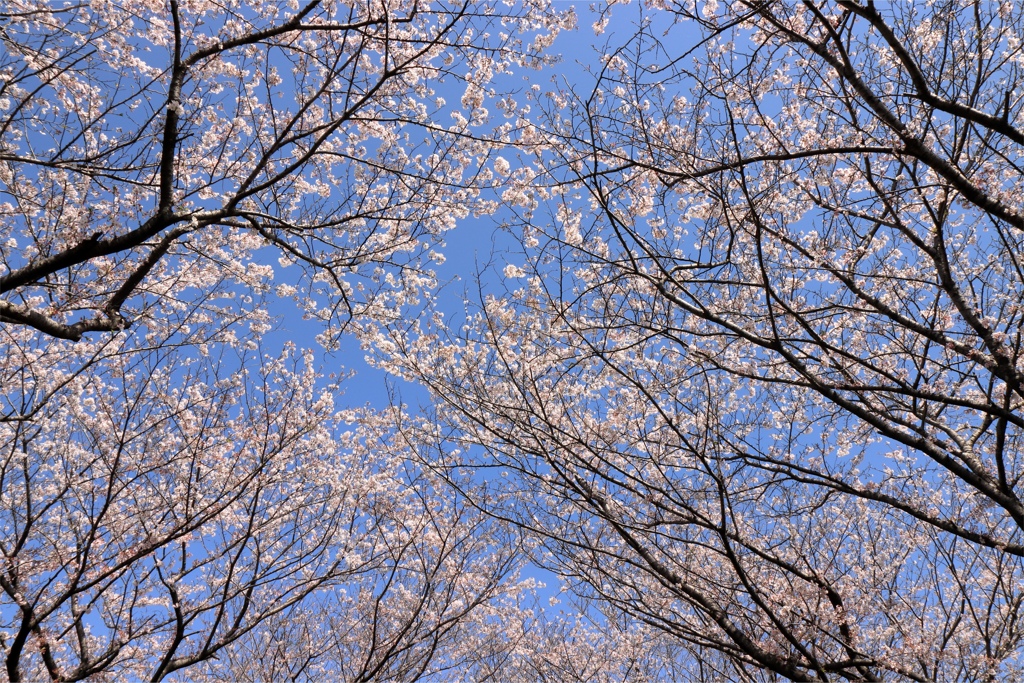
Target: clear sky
(477,245)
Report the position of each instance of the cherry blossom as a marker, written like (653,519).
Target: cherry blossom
(761,390)
(182,494)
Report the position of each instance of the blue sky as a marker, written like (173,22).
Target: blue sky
(477,244)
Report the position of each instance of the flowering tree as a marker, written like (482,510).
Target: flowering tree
(165,513)
(756,380)
(177,491)
(147,149)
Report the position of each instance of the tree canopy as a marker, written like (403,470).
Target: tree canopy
(744,370)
